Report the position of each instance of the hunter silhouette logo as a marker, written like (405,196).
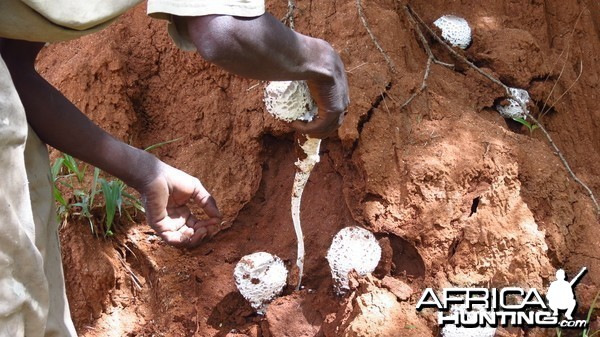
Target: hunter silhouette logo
(483,307)
(561,294)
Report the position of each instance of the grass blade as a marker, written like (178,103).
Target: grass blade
(154,146)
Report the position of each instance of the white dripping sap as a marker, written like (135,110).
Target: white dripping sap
(290,101)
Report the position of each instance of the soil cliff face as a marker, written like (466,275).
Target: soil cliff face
(457,195)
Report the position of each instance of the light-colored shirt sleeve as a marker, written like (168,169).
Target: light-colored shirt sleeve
(58,20)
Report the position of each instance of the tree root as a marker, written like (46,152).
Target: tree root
(361,15)
(430,59)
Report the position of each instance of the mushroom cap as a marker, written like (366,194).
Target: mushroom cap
(513,109)
(289,100)
(260,277)
(352,248)
(455,30)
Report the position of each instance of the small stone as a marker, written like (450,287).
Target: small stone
(402,290)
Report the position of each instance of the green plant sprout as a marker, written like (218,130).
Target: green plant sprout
(586,332)
(62,208)
(530,126)
(109,195)
(154,146)
(116,198)
(83,197)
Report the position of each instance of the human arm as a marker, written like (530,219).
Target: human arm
(263,48)
(164,189)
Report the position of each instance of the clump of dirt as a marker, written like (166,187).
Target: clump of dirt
(456,195)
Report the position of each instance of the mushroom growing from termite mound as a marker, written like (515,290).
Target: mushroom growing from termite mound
(290,101)
(352,248)
(514,108)
(260,277)
(455,30)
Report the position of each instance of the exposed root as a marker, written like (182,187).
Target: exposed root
(543,111)
(462,58)
(430,59)
(553,104)
(361,15)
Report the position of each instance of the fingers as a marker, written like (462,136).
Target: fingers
(185,237)
(206,201)
(321,127)
(212,226)
(181,228)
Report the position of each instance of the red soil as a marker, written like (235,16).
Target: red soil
(457,195)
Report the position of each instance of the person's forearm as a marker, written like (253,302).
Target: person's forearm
(60,124)
(261,48)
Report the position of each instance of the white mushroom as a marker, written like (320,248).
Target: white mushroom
(352,248)
(455,30)
(289,100)
(514,108)
(260,277)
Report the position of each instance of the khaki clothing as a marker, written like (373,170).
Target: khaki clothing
(31,275)
(33,301)
(58,20)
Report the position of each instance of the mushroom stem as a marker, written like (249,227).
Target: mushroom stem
(311,147)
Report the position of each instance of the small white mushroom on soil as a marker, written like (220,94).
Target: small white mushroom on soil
(352,248)
(290,101)
(455,30)
(260,277)
(514,109)
(451,330)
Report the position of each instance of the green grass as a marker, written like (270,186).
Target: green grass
(102,202)
(99,201)
(531,127)
(586,332)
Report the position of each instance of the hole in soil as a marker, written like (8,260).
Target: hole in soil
(406,260)
(474,206)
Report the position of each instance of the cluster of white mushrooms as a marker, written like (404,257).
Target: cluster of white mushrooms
(456,31)
(261,277)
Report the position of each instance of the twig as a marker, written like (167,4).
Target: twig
(373,38)
(566,91)
(430,59)
(134,278)
(412,13)
(454,53)
(253,86)
(423,85)
(568,49)
(564,161)
(354,68)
